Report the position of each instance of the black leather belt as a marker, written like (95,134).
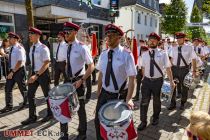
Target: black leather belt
(64,61)
(153,79)
(114,93)
(181,67)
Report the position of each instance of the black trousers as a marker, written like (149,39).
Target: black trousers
(148,88)
(19,77)
(103,98)
(94,72)
(60,69)
(44,81)
(88,85)
(180,73)
(81,114)
(5,66)
(138,80)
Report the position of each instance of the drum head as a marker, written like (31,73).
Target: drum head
(61,91)
(114,112)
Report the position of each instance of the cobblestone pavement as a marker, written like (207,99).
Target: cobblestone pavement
(171,127)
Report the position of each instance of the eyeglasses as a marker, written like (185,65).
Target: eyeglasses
(190,135)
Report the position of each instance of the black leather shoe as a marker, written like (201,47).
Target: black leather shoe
(155,121)
(171,107)
(181,107)
(80,137)
(5,109)
(29,120)
(135,98)
(142,126)
(64,138)
(47,118)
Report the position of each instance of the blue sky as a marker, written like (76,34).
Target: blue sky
(189,4)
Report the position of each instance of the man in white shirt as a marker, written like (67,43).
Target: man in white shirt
(60,59)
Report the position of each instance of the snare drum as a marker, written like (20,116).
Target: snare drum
(116,122)
(63,101)
(189,81)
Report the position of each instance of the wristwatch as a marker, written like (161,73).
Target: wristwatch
(37,75)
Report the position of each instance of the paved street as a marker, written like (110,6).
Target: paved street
(171,127)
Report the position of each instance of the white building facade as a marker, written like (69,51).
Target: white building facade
(143,17)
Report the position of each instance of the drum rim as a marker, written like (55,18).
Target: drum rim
(67,84)
(110,122)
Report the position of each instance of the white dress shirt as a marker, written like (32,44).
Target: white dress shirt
(18,54)
(123,66)
(79,56)
(187,52)
(41,54)
(162,60)
(62,52)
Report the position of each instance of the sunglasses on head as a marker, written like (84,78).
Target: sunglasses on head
(190,135)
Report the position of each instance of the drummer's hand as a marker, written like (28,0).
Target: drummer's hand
(78,83)
(32,79)
(130,103)
(172,84)
(10,75)
(194,74)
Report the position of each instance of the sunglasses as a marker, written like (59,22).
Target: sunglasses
(68,32)
(31,33)
(190,135)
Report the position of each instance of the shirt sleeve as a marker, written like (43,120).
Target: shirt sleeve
(130,65)
(86,56)
(166,61)
(20,55)
(45,54)
(193,54)
(98,66)
(143,61)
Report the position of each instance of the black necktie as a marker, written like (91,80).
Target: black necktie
(10,61)
(179,55)
(152,57)
(57,51)
(199,50)
(108,68)
(69,69)
(33,65)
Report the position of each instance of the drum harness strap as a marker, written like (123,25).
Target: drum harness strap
(156,65)
(77,77)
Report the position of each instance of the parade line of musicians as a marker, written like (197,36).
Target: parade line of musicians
(117,72)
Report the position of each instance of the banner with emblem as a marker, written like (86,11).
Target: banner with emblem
(125,132)
(60,110)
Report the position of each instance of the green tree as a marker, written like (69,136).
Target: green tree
(206,8)
(196,17)
(174,18)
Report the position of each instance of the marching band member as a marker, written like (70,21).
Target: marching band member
(153,79)
(199,50)
(17,73)
(60,59)
(116,66)
(139,72)
(181,57)
(40,60)
(77,56)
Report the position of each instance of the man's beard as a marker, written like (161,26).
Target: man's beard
(153,46)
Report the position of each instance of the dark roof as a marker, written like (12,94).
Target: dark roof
(140,2)
(96,12)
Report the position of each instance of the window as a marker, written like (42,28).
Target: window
(154,4)
(139,18)
(145,20)
(6,24)
(143,1)
(155,22)
(149,1)
(151,21)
